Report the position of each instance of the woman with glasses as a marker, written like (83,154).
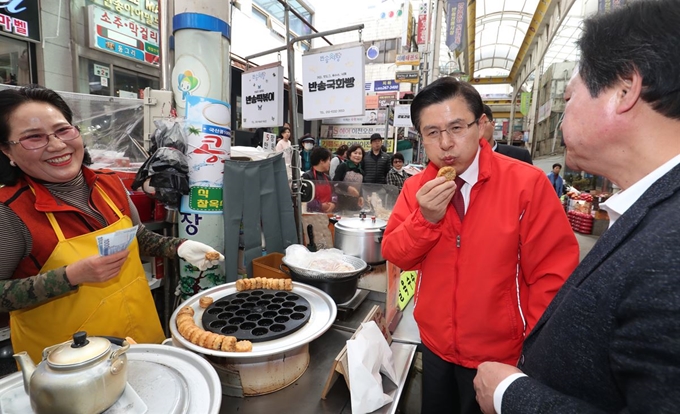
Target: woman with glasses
(53,281)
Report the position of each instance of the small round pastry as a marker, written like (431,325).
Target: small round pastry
(240,286)
(205,301)
(244,346)
(187,309)
(212,256)
(447,172)
(195,335)
(228,344)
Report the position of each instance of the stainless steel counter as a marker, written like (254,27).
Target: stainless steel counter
(407,329)
(304,396)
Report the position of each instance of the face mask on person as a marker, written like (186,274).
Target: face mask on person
(308,146)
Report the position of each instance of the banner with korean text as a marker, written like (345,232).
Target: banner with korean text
(262,95)
(455,24)
(333,81)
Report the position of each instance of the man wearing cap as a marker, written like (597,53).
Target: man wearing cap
(376,162)
(307,142)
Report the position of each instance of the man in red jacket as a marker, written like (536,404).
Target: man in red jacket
(492,247)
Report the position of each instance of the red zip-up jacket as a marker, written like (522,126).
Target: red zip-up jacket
(484,283)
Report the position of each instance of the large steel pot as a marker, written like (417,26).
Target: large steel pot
(361,237)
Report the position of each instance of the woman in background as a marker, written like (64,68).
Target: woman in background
(340,157)
(324,199)
(350,175)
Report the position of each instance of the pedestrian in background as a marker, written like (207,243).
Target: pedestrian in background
(339,158)
(397,175)
(556,180)
(350,175)
(610,340)
(308,143)
(376,163)
(324,199)
(507,150)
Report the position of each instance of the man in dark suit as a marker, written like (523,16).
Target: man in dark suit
(508,150)
(610,340)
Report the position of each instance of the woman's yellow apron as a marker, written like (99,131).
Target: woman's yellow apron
(120,307)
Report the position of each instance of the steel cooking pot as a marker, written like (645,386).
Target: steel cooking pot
(340,289)
(361,237)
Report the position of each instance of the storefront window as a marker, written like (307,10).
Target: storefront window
(131,85)
(99,78)
(15,65)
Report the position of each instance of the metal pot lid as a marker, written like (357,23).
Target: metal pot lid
(171,380)
(82,349)
(360,223)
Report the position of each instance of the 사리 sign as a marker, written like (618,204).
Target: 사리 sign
(333,81)
(262,96)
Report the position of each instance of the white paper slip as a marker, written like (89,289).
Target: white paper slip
(116,242)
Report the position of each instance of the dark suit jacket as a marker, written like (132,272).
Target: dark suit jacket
(514,152)
(610,339)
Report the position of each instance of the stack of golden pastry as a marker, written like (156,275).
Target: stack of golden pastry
(210,340)
(264,283)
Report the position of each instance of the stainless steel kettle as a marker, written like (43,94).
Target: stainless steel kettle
(80,376)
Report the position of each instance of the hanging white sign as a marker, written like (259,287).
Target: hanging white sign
(402,116)
(262,96)
(333,82)
(269,141)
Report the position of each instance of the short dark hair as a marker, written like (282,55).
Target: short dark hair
(488,112)
(10,101)
(355,147)
(342,149)
(375,136)
(557,164)
(641,36)
(397,156)
(441,90)
(319,154)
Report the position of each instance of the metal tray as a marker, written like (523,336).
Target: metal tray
(257,315)
(168,380)
(323,314)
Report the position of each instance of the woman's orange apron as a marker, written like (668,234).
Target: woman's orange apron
(122,306)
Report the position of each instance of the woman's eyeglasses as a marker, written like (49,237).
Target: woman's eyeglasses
(37,141)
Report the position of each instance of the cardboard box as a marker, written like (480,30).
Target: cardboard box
(268,266)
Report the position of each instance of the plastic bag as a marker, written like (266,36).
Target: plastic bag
(164,177)
(169,133)
(326,260)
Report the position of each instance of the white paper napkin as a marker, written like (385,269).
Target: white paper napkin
(368,355)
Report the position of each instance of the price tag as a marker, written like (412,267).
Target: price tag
(407,287)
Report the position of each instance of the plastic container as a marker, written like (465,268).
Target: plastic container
(144,204)
(268,266)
